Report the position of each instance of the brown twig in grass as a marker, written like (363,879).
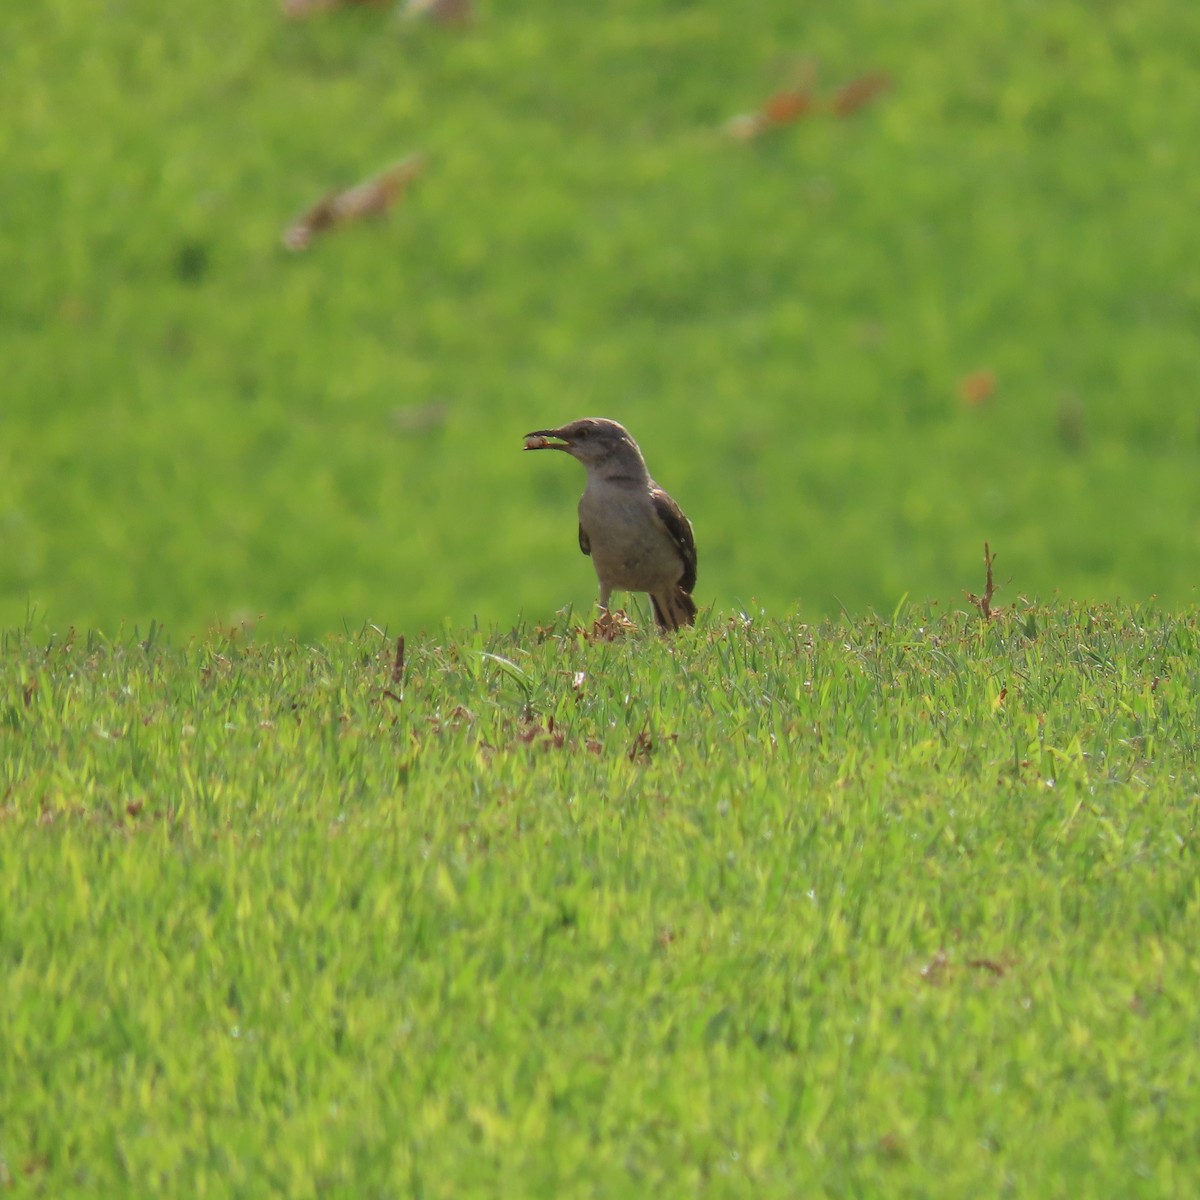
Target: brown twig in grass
(984,602)
(642,746)
(396,691)
(940,969)
(987,964)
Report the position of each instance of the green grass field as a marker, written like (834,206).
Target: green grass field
(198,426)
(808,902)
(892,908)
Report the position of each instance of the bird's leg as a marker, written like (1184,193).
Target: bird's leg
(605,593)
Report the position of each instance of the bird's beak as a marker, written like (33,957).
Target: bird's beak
(539,440)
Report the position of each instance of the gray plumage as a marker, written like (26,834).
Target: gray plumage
(637,536)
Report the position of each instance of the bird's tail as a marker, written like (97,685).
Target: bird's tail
(673,609)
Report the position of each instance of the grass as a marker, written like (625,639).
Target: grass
(199,427)
(884,907)
(807,902)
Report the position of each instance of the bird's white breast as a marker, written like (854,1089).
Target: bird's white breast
(630,547)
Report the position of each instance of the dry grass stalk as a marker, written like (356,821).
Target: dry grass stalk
(984,602)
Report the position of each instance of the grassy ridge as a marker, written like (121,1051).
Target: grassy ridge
(886,908)
(198,426)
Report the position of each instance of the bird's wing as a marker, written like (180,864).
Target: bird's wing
(585,543)
(680,529)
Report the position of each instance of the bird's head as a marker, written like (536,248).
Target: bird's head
(592,440)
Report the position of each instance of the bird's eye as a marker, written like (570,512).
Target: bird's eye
(582,433)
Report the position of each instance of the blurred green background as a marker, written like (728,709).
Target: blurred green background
(200,427)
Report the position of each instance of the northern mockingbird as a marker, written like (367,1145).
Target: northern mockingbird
(638,537)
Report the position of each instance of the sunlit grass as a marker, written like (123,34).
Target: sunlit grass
(884,907)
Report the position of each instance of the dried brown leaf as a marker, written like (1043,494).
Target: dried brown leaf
(977,388)
(609,626)
(858,93)
(785,107)
(371,198)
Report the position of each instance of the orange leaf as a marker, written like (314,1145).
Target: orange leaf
(785,107)
(860,92)
(373,197)
(977,388)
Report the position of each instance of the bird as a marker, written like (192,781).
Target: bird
(637,536)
